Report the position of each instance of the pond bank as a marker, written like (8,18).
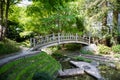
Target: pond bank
(108,72)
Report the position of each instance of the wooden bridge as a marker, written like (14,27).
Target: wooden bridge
(40,42)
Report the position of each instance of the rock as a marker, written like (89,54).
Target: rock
(88,68)
(70,72)
(95,63)
(67,59)
(112,65)
(101,79)
(91,48)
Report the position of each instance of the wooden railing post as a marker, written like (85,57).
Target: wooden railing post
(58,38)
(46,39)
(53,36)
(34,42)
(31,42)
(89,39)
(76,37)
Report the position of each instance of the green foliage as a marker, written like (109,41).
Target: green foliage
(54,16)
(72,47)
(41,76)
(117,55)
(104,49)
(80,23)
(116,48)
(80,58)
(26,43)
(117,64)
(86,52)
(26,68)
(57,55)
(8,46)
(16,23)
(48,16)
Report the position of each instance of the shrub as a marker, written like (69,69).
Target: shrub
(116,48)
(117,55)
(104,49)
(8,46)
(72,47)
(57,55)
(86,52)
(25,44)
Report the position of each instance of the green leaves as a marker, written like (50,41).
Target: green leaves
(51,16)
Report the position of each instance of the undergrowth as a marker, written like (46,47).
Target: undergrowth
(8,46)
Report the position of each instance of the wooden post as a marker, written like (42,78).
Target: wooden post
(34,42)
(62,37)
(53,36)
(76,37)
(67,36)
(58,38)
(46,39)
(31,42)
(89,39)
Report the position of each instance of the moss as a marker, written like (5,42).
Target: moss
(80,58)
(24,69)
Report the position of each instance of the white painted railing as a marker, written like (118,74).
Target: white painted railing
(58,38)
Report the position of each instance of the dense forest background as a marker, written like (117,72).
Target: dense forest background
(99,19)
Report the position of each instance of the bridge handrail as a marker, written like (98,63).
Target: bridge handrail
(58,37)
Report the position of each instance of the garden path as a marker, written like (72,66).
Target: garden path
(23,53)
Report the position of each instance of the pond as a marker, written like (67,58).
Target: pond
(67,65)
(107,72)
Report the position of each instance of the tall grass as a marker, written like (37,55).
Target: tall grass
(8,46)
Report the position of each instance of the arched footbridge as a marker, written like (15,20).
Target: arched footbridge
(41,42)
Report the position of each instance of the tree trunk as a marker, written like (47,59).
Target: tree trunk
(1,19)
(6,16)
(4,7)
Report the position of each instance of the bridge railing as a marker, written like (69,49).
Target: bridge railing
(58,38)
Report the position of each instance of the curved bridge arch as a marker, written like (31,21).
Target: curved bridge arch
(57,39)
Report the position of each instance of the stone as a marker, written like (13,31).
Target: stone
(67,59)
(95,63)
(70,72)
(112,65)
(91,48)
(88,68)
